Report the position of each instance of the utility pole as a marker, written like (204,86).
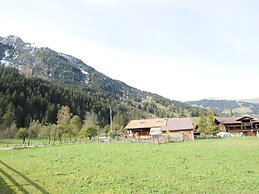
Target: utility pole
(29,139)
(111,118)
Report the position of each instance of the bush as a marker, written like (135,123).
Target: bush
(113,134)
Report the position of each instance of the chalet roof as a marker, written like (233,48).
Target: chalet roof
(233,120)
(178,124)
(227,120)
(146,123)
(245,117)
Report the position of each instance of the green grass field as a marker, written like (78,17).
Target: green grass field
(202,166)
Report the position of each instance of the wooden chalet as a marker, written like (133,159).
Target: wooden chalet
(143,129)
(246,125)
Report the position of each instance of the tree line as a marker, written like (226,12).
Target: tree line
(68,127)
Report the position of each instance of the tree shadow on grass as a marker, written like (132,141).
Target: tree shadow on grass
(21,188)
(4,187)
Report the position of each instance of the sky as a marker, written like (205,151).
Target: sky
(180,49)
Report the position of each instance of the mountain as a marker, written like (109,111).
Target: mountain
(227,107)
(253,100)
(67,72)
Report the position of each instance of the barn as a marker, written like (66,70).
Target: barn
(173,127)
(179,127)
(142,128)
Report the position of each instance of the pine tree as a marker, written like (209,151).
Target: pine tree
(8,116)
(202,122)
(212,127)
(51,114)
(19,116)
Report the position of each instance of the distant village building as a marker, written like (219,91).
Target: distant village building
(246,125)
(173,127)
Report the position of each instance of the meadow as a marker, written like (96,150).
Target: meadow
(201,166)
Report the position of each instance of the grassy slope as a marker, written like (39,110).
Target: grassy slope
(226,165)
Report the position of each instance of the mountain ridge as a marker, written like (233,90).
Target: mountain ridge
(252,100)
(45,63)
(227,107)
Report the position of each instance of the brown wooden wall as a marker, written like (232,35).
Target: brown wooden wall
(144,134)
(188,134)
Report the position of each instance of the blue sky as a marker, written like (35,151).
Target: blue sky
(181,49)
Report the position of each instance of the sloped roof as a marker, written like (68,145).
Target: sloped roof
(174,124)
(233,120)
(245,117)
(163,123)
(146,123)
(227,120)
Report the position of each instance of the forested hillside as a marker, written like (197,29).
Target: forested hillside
(23,99)
(44,80)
